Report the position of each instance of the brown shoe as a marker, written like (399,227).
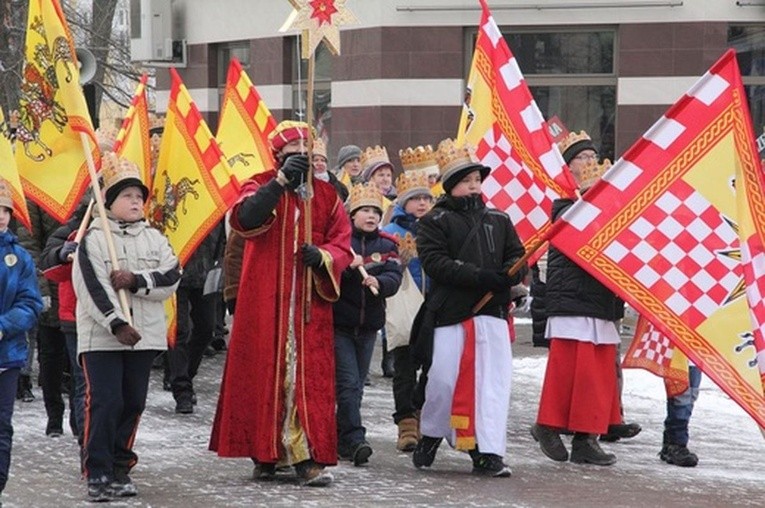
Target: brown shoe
(407,435)
(313,475)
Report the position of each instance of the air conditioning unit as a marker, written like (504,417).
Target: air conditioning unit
(151,30)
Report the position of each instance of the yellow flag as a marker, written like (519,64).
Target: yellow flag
(9,172)
(52,114)
(244,126)
(193,186)
(133,138)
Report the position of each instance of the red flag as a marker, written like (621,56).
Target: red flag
(661,230)
(501,119)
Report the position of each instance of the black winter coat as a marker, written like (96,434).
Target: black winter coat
(453,250)
(203,259)
(538,292)
(357,307)
(572,291)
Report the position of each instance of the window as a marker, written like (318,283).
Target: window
(322,93)
(238,50)
(571,74)
(749,43)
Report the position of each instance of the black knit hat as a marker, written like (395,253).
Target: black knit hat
(575,143)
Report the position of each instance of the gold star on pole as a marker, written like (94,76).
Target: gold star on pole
(319,20)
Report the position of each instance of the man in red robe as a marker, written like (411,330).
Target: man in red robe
(277,397)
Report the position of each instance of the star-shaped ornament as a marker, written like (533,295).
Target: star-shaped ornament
(319,20)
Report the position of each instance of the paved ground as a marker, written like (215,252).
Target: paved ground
(176,470)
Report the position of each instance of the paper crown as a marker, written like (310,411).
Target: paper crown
(372,159)
(320,148)
(6,197)
(285,132)
(156,124)
(365,194)
(591,173)
(574,143)
(453,159)
(106,138)
(420,158)
(119,173)
(410,184)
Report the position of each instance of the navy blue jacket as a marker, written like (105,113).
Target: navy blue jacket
(20,300)
(357,307)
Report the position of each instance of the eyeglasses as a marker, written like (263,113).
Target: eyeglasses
(587,157)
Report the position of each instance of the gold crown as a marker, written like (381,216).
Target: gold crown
(421,157)
(373,157)
(156,122)
(320,148)
(591,173)
(365,194)
(115,169)
(571,139)
(452,157)
(412,183)
(6,197)
(106,138)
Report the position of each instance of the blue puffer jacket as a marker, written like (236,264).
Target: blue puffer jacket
(20,300)
(400,224)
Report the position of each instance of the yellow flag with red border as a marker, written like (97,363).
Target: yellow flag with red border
(193,186)
(133,138)
(244,125)
(50,153)
(10,173)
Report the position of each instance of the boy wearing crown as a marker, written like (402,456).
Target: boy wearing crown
(20,306)
(580,391)
(466,249)
(277,398)
(413,202)
(115,355)
(360,313)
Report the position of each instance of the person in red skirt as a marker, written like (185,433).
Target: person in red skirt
(580,391)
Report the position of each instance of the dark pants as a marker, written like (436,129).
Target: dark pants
(680,408)
(196,323)
(115,396)
(8,380)
(77,390)
(54,360)
(353,354)
(404,381)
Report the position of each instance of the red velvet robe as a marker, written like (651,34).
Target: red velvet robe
(250,413)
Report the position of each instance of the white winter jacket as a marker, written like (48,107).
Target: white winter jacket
(142,250)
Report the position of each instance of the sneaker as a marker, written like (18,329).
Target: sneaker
(264,472)
(99,490)
(361,453)
(678,455)
(586,450)
(425,451)
(313,475)
(489,464)
(550,442)
(621,431)
(123,486)
(54,430)
(184,406)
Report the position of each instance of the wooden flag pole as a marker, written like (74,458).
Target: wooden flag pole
(309,182)
(85,221)
(121,294)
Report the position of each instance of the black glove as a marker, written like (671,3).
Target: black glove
(127,335)
(311,255)
(295,169)
(494,280)
(66,250)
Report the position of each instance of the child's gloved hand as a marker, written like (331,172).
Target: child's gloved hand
(123,279)
(127,335)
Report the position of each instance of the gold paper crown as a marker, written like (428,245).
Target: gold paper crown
(115,169)
(6,197)
(156,122)
(106,138)
(420,158)
(451,157)
(572,139)
(320,148)
(591,173)
(365,194)
(412,183)
(372,158)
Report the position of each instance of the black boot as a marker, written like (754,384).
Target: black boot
(24,389)
(425,451)
(678,455)
(586,450)
(621,431)
(550,442)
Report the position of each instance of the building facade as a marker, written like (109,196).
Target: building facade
(609,67)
